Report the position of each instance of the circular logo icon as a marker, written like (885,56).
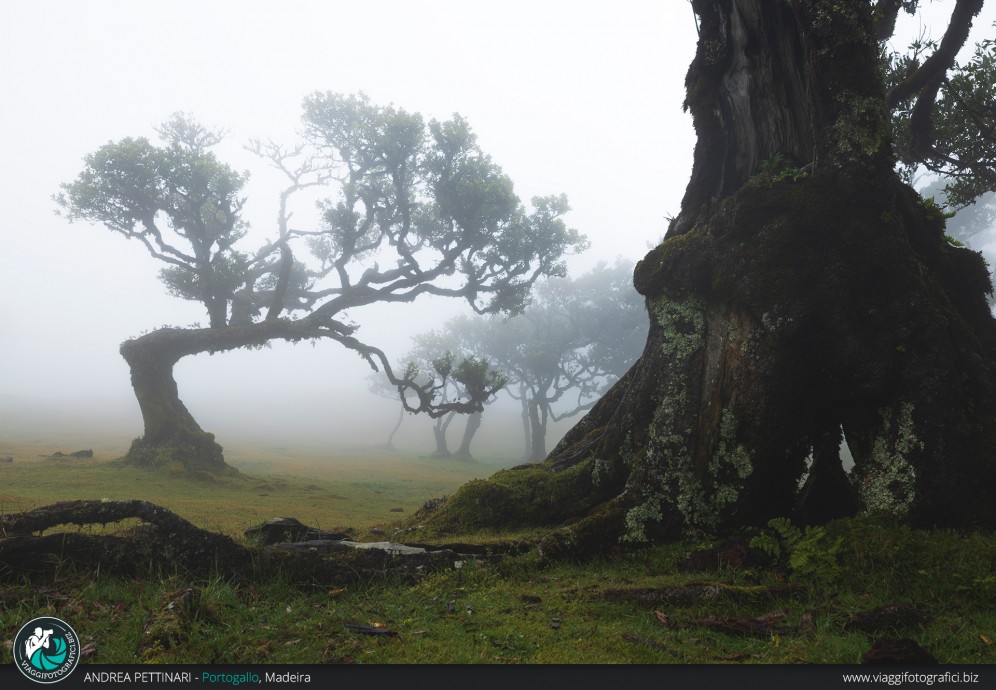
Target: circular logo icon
(46,650)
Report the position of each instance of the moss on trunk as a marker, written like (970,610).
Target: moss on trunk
(776,321)
(172,438)
(803,292)
(192,453)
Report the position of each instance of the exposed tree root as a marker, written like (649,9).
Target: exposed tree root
(165,543)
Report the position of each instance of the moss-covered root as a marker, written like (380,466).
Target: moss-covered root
(528,496)
(588,537)
(191,453)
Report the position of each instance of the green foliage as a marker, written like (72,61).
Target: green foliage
(478,378)
(456,374)
(808,553)
(791,175)
(427,190)
(963,150)
(965,126)
(444,365)
(178,199)
(934,210)
(778,169)
(228,273)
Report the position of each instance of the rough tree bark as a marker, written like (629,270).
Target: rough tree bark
(804,290)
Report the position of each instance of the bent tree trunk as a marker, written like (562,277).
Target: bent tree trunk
(172,436)
(473,424)
(803,292)
(439,434)
(389,445)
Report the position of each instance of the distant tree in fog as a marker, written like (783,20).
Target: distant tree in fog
(418,210)
(381,386)
(441,356)
(967,222)
(575,339)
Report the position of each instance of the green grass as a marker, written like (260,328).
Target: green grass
(354,490)
(518,611)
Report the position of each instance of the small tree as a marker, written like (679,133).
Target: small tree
(381,386)
(420,199)
(458,374)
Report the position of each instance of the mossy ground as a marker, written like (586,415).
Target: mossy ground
(517,612)
(521,610)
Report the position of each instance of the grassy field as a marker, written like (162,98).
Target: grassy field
(940,585)
(359,489)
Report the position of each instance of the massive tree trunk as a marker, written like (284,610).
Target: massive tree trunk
(804,290)
(172,436)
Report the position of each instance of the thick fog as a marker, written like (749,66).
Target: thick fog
(566,96)
(582,98)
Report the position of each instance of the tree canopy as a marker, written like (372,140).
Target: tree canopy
(944,113)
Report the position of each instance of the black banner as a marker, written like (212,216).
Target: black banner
(608,676)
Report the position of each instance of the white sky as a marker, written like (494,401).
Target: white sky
(570,96)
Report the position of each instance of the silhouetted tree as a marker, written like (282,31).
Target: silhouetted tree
(440,356)
(381,386)
(420,210)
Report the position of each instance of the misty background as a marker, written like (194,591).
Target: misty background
(573,97)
